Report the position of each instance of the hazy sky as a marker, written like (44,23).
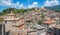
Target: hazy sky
(27,3)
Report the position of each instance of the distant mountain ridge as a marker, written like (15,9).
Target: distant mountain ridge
(54,7)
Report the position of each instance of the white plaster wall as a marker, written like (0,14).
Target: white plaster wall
(52,25)
(8,26)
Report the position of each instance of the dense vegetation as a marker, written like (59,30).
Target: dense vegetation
(57,11)
(40,22)
(1,19)
(15,11)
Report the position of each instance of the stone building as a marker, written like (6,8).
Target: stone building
(55,30)
(14,25)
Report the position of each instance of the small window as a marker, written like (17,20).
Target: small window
(5,22)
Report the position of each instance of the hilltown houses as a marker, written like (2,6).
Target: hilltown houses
(27,24)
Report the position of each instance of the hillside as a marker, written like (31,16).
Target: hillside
(55,8)
(15,11)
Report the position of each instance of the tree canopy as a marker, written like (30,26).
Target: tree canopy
(1,19)
(15,11)
(40,22)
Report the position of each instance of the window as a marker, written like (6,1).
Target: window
(5,22)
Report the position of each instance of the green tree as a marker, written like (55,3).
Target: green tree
(42,16)
(6,11)
(1,19)
(15,11)
(57,11)
(40,22)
